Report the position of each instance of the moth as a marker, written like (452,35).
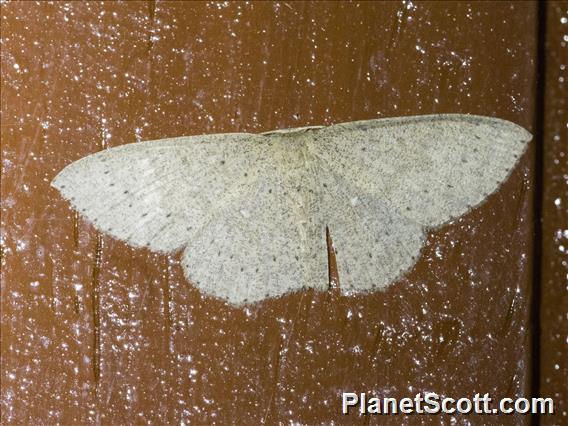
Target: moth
(250,211)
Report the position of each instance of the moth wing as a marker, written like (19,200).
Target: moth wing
(260,248)
(225,197)
(160,194)
(429,168)
(374,244)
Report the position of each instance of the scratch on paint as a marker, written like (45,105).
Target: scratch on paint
(95,307)
(167,315)
(278,350)
(76,229)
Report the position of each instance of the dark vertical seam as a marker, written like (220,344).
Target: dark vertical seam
(538,195)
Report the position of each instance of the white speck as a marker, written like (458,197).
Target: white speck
(34,284)
(357,349)
(21,245)
(557,202)
(438,252)
(16,66)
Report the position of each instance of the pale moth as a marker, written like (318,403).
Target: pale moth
(250,210)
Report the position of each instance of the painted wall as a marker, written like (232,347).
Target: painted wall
(94,331)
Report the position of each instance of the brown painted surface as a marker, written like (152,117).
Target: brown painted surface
(554,296)
(94,331)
